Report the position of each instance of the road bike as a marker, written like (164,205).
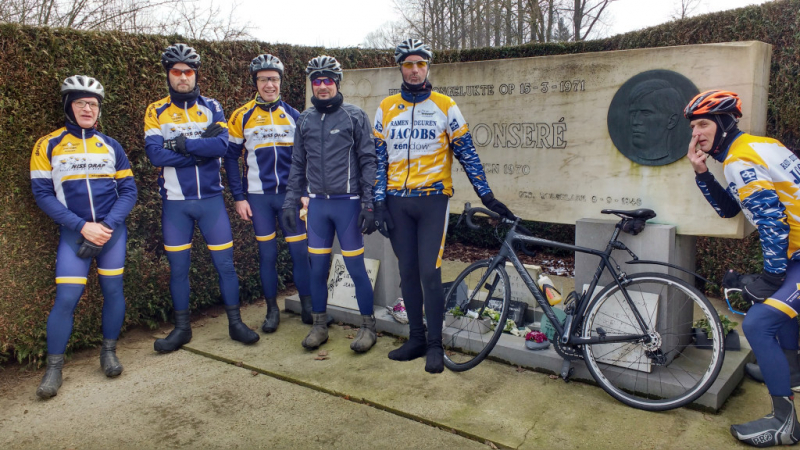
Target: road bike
(634,334)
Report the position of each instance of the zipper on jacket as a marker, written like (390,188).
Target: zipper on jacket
(275,151)
(196,167)
(86,171)
(408,150)
(322,156)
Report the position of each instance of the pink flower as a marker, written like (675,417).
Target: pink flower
(537,336)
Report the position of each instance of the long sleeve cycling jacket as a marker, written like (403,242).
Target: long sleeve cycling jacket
(334,154)
(763,180)
(184,177)
(265,137)
(81,175)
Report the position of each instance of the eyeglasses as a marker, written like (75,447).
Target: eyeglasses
(410,64)
(319,81)
(273,80)
(83,103)
(179,72)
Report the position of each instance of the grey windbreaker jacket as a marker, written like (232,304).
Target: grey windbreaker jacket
(334,154)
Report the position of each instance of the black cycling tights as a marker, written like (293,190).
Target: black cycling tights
(420,225)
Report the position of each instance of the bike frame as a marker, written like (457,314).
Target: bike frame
(565,331)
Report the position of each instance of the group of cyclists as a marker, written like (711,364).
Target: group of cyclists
(330,171)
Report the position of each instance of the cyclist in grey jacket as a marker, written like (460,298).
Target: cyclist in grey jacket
(334,164)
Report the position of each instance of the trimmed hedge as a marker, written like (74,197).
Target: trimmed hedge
(35,60)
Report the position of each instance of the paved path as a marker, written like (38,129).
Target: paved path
(217,393)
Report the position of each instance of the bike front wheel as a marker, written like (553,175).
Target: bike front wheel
(660,369)
(468,339)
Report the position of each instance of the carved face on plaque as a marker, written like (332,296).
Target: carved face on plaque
(645,119)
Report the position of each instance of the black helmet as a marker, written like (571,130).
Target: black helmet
(412,47)
(180,53)
(324,66)
(266,62)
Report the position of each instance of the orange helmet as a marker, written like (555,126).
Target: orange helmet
(714,102)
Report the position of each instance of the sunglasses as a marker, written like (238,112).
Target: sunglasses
(319,81)
(410,64)
(179,72)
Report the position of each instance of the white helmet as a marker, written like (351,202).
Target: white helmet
(83,84)
(412,47)
(325,66)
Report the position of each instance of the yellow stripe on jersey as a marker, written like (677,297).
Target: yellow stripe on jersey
(123,173)
(177,248)
(352,253)
(319,251)
(110,272)
(298,238)
(216,248)
(71,280)
(266,238)
(780,306)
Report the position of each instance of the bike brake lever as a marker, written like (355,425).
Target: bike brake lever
(467,207)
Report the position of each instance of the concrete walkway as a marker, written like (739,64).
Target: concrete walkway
(217,393)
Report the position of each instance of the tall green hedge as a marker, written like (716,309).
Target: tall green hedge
(33,61)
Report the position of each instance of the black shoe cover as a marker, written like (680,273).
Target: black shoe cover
(180,335)
(237,329)
(273,318)
(778,428)
(412,349)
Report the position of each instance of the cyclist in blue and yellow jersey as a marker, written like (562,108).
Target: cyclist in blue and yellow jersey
(762,178)
(417,134)
(263,132)
(333,163)
(185,137)
(82,179)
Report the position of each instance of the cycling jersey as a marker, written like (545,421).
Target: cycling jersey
(416,138)
(81,175)
(184,177)
(266,137)
(764,182)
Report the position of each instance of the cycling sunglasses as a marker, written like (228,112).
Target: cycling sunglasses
(179,72)
(410,64)
(319,81)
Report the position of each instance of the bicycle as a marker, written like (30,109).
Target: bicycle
(634,334)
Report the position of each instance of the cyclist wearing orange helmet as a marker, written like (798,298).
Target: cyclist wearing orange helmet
(762,181)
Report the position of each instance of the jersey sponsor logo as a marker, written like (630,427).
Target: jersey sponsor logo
(69,147)
(283,116)
(176,116)
(335,131)
(98,144)
(260,119)
(401,106)
(199,113)
(427,113)
(748,176)
(454,125)
(416,133)
(379,127)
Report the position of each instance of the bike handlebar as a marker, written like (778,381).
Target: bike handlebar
(469,211)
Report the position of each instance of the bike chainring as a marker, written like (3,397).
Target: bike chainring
(566,351)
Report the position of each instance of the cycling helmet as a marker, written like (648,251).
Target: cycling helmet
(714,102)
(265,62)
(412,47)
(324,66)
(80,86)
(180,53)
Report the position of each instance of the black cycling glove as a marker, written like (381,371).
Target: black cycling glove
(383,220)
(177,145)
(213,130)
(497,206)
(366,220)
(288,220)
(89,249)
(761,287)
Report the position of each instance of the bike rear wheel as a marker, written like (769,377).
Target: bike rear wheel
(664,370)
(467,341)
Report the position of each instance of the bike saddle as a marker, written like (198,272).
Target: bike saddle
(641,213)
